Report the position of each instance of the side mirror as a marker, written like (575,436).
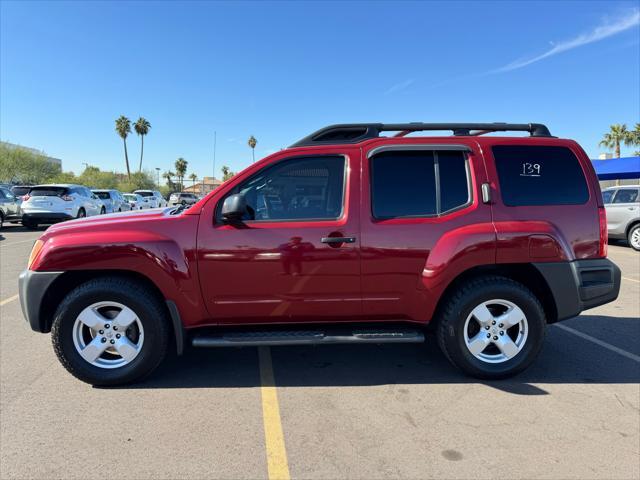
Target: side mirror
(234,208)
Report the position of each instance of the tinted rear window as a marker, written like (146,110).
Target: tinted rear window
(103,195)
(539,175)
(146,194)
(20,190)
(48,191)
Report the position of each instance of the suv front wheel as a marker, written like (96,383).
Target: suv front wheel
(110,331)
(491,327)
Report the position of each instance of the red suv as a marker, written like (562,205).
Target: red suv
(346,237)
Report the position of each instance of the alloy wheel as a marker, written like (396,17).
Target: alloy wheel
(496,331)
(108,335)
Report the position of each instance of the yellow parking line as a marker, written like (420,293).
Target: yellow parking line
(274,439)
(631,279)
(8,300)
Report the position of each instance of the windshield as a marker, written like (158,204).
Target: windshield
(48,191)
(103,195)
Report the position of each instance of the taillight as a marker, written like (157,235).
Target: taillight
(26,197)
(35,251)
(67,198)
(602,217)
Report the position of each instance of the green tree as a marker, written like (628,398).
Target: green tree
(616,135)
(92,177)
(123,128)
(252,142)
(226,173)
(141,127)
(193,177)
(168,175)
(181,170)
(636,138)
(23,166)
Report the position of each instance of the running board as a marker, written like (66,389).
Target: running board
(306,337)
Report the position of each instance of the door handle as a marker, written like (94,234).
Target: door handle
(334,240)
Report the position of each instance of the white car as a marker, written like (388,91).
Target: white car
(154,197)
(59,202)
(113,200)
(136,201)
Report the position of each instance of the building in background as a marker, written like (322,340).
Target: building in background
(202,186)
(55,161)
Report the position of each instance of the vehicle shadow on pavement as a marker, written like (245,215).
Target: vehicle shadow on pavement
(565,359)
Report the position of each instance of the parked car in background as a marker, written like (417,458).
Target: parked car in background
(623,213)
(180,198)
(9,207)
(485,240)
(20,190)
(154,197)
(55,203)
(136,201)
(113,200)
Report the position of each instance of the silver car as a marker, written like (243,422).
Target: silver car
(113,200)
(623,213)
(9,207)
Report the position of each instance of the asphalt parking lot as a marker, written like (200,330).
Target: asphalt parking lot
(329,412)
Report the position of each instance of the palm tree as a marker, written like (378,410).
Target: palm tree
(181,169)
(142,127)
(635,141)
(616,135)
(226,173)
(252,142)
(168,175)
(193,177)
(123,127)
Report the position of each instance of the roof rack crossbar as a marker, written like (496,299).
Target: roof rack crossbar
(357,132)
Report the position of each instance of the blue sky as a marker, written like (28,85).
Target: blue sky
(279,70)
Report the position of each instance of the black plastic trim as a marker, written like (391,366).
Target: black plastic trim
(178,328)
(32,288)
(571,288)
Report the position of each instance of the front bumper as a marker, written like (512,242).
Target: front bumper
(581,284)
(33,288)
(46,217)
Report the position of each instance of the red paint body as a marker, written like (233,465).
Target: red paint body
(279,272)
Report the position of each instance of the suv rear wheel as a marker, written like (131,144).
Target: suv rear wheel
(110,331)
(491,327)
(634,237)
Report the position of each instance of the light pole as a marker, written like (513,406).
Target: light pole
(158,182)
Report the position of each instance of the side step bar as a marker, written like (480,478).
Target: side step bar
(306,337)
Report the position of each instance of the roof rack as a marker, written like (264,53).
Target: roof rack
(357,132)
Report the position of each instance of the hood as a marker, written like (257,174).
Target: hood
(112,219)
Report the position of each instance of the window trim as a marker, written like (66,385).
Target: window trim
(465,150)
(218,220)
(618,190)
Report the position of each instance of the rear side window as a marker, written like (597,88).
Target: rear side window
(607,195)
(103,195)
(420,183)
(539,175)
(626,195)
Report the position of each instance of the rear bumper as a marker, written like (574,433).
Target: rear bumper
(581,284)
(32,288)
(46,217)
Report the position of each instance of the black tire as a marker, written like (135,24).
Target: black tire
(103,211)
(30,224)
(150,311)
(81,213)
(635,244)
(459,305)
(1,220)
